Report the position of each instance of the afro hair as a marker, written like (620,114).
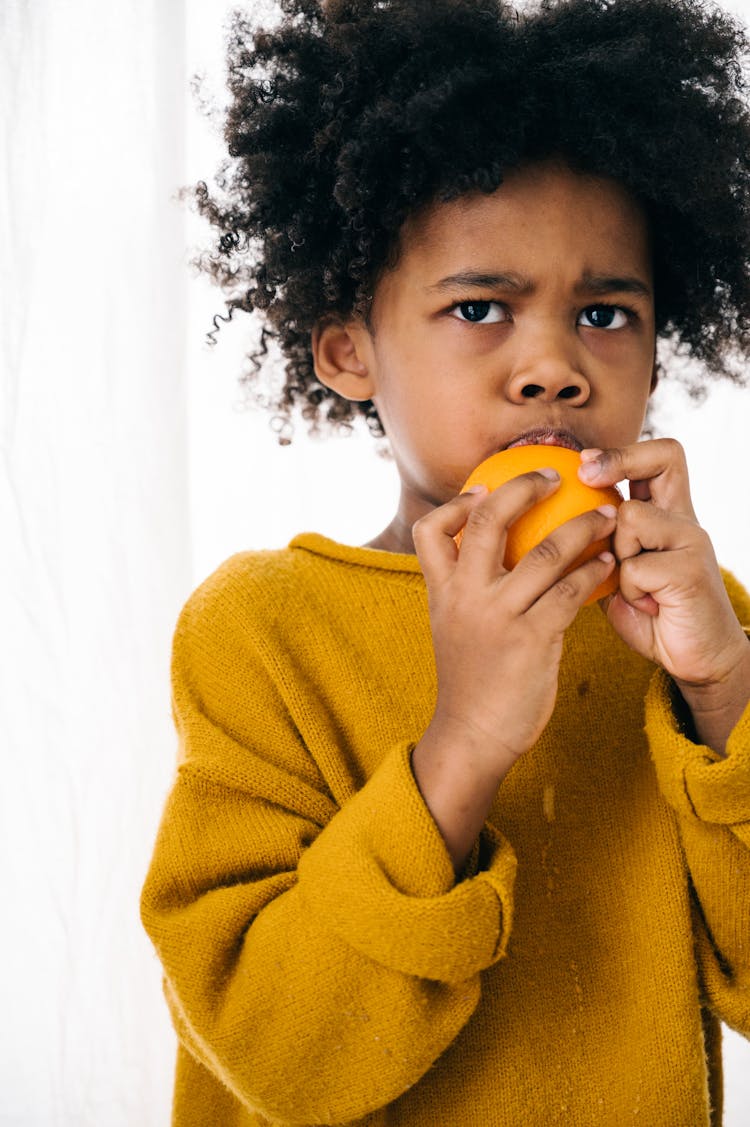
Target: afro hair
(348,116)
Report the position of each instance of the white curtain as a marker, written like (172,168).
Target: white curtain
(127,475)
(96,547)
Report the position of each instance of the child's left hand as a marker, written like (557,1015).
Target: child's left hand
(672,606)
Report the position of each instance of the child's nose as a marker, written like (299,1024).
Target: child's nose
(548,377)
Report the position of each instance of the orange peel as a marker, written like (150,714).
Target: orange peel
(570,499)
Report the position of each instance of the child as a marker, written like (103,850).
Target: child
(447,847)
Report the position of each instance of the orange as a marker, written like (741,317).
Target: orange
(570,499)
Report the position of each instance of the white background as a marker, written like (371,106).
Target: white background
(128,473)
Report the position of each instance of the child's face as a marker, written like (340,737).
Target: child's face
(461,367)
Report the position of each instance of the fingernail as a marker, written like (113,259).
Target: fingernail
(587,471)
(550,474)
(607,511)
(477,489)
(589,453)
(606,557)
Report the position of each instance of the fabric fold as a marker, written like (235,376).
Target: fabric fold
(380,876)
(694,779)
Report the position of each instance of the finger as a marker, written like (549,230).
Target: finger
(657,469)
(655,578)
(644,527)
(434,534)
(557,555)
(484,537)
(560,603)
(645,603)
(646,580)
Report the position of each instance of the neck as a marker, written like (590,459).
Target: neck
(397,537)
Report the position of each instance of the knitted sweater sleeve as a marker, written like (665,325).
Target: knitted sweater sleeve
(711,797)
(317,958)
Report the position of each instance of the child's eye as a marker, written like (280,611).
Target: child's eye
(479,312)
(605,317)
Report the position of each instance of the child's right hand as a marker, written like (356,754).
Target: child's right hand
(498,635)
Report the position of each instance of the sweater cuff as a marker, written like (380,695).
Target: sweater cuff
(694,779)
(380,876)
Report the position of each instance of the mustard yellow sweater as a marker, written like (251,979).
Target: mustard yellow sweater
(322,965)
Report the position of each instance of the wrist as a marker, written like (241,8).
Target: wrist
(476,750)
(716,706)
(457,783)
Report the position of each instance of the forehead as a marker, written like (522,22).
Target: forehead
(544,218)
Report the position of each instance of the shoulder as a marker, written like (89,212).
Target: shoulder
(245,571)
(229,629)
(249,586)
(312,574)
(278,606)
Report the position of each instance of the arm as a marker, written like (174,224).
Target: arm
(498,639)
(317,958)
(675,608)
(715,711)
(710,794)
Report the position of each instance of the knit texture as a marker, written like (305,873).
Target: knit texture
(321,963)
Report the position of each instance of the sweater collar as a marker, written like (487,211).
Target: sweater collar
(363,557)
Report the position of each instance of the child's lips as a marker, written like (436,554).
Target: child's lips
(547,436)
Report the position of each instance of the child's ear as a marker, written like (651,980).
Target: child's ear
(339,358)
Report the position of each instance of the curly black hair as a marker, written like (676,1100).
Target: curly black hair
(348,116)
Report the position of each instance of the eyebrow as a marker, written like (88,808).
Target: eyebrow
(596,284)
